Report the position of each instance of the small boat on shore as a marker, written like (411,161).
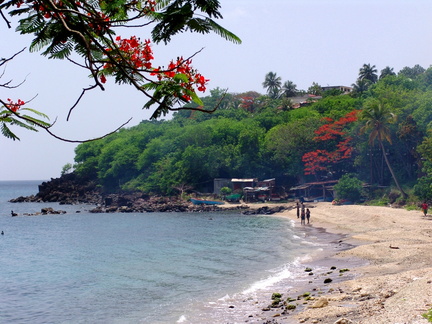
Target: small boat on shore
(197,201)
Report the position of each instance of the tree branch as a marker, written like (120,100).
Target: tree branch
(33,122)
(8,23)
(79,99)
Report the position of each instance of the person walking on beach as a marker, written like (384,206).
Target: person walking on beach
(298,209)
(303,217)
(308,215)
(425,207)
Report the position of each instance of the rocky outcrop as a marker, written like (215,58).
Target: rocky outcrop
(70,189)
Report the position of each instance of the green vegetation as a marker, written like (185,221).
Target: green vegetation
(428,315)
(349,188)
(264,136)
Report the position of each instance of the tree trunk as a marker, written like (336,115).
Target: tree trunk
(391,169)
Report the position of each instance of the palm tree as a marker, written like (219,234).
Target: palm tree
(377,117)
(289,89)
(386,72)
(315,89)
(368,72)
(273,84)
(361,86)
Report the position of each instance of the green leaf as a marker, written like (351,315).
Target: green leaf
(35,122)
(35,112)
(6,132)
(181,77)
(196,99)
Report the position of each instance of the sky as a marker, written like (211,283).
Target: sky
(304,41)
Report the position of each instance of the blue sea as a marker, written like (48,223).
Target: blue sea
(152,268)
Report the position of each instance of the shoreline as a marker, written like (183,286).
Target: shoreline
(391,276)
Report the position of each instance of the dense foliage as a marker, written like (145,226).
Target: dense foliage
(349,188)
(253,135)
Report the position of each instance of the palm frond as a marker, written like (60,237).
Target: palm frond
(225,33)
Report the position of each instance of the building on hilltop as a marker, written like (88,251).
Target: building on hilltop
(343,89)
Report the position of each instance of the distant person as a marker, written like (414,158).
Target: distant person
(303,217)
(425,208)
(298,209)
(2,233)
(308,215)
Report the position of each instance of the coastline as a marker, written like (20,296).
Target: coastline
(388,254)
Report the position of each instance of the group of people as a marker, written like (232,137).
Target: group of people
(303,213)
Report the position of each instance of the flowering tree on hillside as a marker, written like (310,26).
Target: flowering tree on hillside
(334,131)
(85,34)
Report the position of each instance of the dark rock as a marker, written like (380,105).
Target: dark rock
(264,210)
(71,189)
(51,211)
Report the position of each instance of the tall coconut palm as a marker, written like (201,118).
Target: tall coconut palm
(368,72)
(377,117)
(289,89)
(273,84)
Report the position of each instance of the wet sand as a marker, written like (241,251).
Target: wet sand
(388,253)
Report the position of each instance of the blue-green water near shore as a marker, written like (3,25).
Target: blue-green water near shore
(138,268)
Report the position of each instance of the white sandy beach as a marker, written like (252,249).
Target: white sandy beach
(396,284)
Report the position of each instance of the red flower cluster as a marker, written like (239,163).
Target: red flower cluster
(43,9)
(319,160)
(316,161)
(332,130)
(99,22)
(139,56)
(247,103)
(150,6)
(15,106)
(183,67)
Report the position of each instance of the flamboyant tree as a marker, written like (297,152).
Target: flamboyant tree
(332,131)
(86,34)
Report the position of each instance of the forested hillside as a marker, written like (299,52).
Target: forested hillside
(378,132)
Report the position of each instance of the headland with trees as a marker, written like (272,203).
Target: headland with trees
(377,134)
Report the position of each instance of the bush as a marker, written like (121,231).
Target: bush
(225,191)
(349,188)
(423,189)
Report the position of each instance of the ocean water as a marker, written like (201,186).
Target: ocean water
(152,268)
